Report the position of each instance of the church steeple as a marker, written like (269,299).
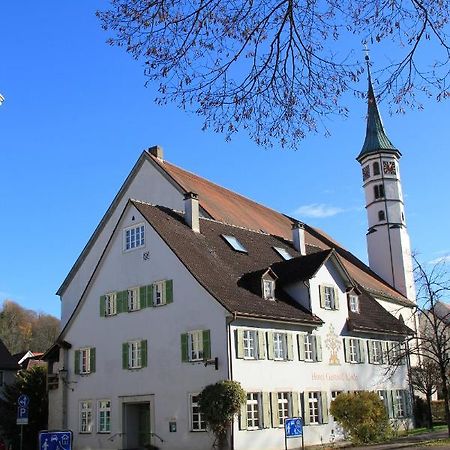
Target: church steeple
(388,245)
(376,138)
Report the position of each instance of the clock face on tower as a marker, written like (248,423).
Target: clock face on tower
(389,167)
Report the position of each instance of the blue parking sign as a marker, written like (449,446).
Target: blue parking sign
(55,440)
(293,427)
(22,409)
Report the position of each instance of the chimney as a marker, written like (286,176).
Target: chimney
(191,211)
(157,152)
(298,237)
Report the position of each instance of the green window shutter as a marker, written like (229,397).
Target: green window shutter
(206,344)
(243,416)
(318,348)
(184,347)
(143,297)
(347,350)
(324,406)
(336,298)
(92,359)
(387,357)
(122,301)
(261,344)
(408,403)
(306,417)
(168,284)
(274,405)
(362,351)
(149,296)
(270,345)
(77,361)
(102,305)
(239,343)
(266,410)
(370,352)
(125,355)
(390,404)
(295,404)
(290,347)
(144,353)
(301,347)
(322,296)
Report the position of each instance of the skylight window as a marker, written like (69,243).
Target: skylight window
(234,243)
(283,253)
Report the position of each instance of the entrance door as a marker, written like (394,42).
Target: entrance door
(137,430)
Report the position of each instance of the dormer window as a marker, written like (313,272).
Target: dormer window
(353,302)
(269,289)
(283,253)
(234,243)
(133,237)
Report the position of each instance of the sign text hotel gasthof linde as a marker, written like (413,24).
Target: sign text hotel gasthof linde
(340,376)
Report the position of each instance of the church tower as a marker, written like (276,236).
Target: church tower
(388,244)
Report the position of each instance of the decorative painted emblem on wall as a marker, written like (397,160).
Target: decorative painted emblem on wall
(333,344)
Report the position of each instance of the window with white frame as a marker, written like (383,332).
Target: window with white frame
(104,416)
(86,416)
(283,407)
(354,303)
(134,355)
(134,237)
(329,297)
(250,344)
(279,345)
(353,345)
(269,289)
(376,350)
(309,347)
(197,421)
(110,304)
(85,360)
(334,394)
(399,403)
(196,345)
(253,411)
(158,293)
(133,299)
(314,407)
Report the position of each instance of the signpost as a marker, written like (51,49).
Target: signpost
(293,428)
(22,414)
(55,440)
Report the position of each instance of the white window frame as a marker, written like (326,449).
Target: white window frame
(133,299)
(334,394)
(399,403)
(250,343)
(377,352)
(309,347)
(104,416)
(284,404)
(134,237)
(329,300)
(197,423)
(111,304)
(159,288)
(354,303)
(279,346)
(268,289)
(354,351)
(85,360)
(253,411)
(314,405)
(195,345)
(86,417)
(135,354)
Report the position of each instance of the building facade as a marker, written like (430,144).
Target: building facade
(185,283)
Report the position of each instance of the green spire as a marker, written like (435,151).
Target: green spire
(376,138)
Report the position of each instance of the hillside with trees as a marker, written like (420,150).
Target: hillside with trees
(23,329)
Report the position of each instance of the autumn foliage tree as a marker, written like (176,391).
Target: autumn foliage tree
(278,68)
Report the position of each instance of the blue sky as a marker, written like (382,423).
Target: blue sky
(77,116)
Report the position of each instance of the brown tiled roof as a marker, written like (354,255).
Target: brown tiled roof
(229,207)
(233,278)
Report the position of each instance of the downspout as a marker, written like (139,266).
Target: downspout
(230,364)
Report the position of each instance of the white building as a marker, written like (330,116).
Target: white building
(185,283)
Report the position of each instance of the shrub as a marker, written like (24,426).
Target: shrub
(362,415)
(219,403)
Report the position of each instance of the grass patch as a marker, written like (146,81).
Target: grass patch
(426,430)
(443,443)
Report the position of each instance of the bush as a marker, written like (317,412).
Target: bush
(420,412)
(219,403)
(362,415)
(438,410)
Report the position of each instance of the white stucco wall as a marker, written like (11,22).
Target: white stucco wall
(149,185)
(299,376)
(166,380)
